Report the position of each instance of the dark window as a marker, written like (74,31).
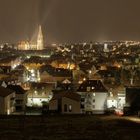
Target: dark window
(82,106)
(19,101)
(93,100)
(65,108)
(59,105)
(19,108)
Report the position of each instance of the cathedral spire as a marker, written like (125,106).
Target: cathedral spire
(40,44)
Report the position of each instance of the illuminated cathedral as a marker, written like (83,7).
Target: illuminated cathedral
(40,39)
(39,45)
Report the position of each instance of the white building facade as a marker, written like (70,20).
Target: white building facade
(93,97)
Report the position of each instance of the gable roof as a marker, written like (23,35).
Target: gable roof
(18,89)
(42,85)
(63,87)
(66,81)
(56,72)
(5,92)
(70,95)
(92,86)
(106,73)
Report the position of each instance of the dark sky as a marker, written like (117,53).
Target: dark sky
(70,20)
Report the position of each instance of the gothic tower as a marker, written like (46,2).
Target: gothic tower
(40,44)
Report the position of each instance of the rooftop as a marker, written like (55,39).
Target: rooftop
(18,89)
(92,86)
(71,95)
(5,92)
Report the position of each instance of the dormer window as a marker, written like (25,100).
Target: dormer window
(88,88)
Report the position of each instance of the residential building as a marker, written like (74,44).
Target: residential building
(20,97)
(65,103)
(54,74)
(39,93)
(93,97)
(7,100)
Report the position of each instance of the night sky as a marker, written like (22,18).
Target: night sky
(70,20)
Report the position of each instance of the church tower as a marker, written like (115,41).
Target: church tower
(40,44)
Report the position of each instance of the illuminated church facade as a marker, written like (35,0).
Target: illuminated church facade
(39,45)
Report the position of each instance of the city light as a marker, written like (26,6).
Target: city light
(74,64)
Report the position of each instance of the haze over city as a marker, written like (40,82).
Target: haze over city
(70,20)
(69,69)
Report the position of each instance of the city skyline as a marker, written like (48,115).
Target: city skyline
(69,21)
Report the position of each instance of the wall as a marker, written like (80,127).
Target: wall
(100,102)
(8,104)
(74,104)
(94,102)
(2,104)
(53,105)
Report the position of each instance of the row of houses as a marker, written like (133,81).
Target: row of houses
(91,96)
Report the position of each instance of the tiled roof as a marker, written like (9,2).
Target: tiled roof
(92,86)
(64,87)
(57,72)
(8,59)
(71,95)
(41,85)
(18,89)
(5,92)
(106,73)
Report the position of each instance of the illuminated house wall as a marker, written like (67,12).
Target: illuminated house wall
(65,102)
(12,61)
(117,98)
(95,102)
(6,101)
(39,92)
(93,97)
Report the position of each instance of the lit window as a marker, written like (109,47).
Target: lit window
(35,92)
(88,88)
(70,108)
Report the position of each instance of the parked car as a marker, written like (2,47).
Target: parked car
(119,112)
